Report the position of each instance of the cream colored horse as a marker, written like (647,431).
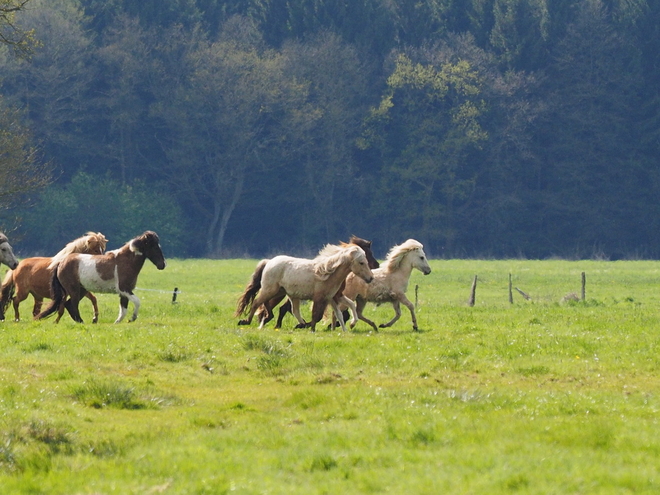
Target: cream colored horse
(390,282)
(302,279)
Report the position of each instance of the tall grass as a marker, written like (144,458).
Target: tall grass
(548,395)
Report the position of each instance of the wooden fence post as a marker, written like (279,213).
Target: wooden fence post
(510,290)
(584,285)
(473,292)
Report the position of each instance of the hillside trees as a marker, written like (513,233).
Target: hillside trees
(428,123)
(21,169)
(499,127)
(592,174)
(220,123)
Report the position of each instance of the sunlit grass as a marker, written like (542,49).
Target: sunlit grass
(548,395)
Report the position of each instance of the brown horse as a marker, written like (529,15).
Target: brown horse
(32,276)
(114,272)
(265,312)
(302,279)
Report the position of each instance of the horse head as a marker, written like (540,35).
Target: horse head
(6,253)
(95,243)
(149,245)
(366,247)
(419,259)
(359,264)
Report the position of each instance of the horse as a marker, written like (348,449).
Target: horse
(318,279)
(390,282)
(7,253)
(32,276)
(113,272)
(265,314)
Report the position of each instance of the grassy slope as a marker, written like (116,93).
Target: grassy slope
(535,397)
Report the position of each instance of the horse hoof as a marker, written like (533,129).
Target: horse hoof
(301,325)
(243,322)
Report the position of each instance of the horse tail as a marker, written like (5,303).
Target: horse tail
(247,298)
(57,294)
(7,291)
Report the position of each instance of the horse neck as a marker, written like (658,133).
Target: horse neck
(130,257)
(340,274)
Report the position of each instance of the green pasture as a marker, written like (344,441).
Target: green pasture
(543,396)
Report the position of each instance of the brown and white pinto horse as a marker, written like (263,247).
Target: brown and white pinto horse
(114,272)
(32,276)
(302,279)
(265,312)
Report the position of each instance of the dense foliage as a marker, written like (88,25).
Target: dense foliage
(480,127)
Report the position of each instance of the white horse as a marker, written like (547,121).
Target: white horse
(6,253)
(390,282)
(302,279)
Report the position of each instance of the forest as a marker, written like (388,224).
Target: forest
(482,128)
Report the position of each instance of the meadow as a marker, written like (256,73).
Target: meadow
(550,395)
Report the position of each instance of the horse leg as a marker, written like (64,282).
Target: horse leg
(263,297)
(406,302)
(36,309)
(318,308)
(123,308)
(345,314)
(397,315)
(19,297)
(337,313)
(360,305)
(95,305)
(284,309)
(295,310)
(71,306)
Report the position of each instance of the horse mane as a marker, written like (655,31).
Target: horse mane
(330,257)
(81,245)
(397,253)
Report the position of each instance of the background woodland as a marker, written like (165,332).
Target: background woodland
(482,128)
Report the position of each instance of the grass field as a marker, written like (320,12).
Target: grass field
(542,396)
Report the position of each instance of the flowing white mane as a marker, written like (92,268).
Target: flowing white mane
(398,253)
(330,258)
(83,244)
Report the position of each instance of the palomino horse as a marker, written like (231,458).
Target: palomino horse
(390,282)
(301,279)
(264,313)
(6,253)
(32,276)
(113,272)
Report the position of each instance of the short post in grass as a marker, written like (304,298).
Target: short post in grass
(416,294)
(176,291)
(510,290)
(473,292)
(584,285)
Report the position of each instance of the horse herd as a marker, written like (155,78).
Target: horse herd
(344,276)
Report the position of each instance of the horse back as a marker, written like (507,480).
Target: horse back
(92,272)
(294,275)
(33,276)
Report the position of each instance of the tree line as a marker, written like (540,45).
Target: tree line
(247,127)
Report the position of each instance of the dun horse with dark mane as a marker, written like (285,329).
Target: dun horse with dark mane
(114,272)
(32,276)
